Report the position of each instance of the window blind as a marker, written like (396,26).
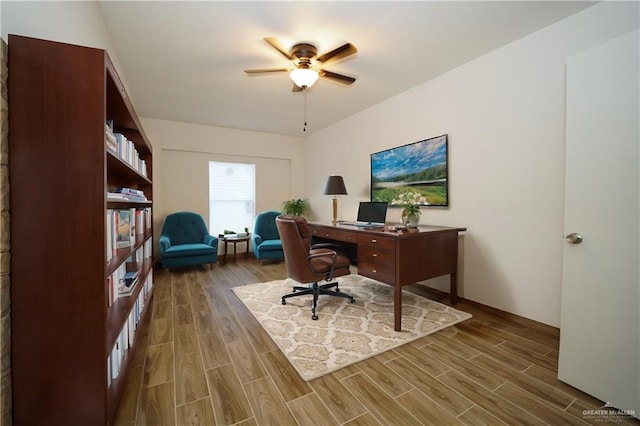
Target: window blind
(232,196)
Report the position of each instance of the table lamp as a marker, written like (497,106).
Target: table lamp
(335,186)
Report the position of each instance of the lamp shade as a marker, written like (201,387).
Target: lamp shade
(304,77)
(335,186)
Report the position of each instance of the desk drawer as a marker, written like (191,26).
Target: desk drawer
(376,254)
(377,271)
(334,234)
(374,240)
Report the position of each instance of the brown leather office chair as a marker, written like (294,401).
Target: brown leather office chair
(310,264)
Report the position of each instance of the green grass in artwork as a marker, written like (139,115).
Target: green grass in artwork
(435,195)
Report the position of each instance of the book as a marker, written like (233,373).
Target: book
(132,226)
(115,360)
(127,290)
(140,222)
(112,143)
(122,228)
(109,236)
(110,292)
(235,235)
(130,277)
(115,196)
(130,191)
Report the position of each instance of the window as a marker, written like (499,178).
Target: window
(232,196)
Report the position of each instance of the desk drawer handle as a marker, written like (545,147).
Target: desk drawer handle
(375,254)
(375,270)
(374,241)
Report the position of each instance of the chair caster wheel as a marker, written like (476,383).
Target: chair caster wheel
(314,317)
(284,302)
(353,300)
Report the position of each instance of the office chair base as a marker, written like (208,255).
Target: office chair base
(317,290)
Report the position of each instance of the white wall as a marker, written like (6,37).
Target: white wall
(504,114)
(74,22)
(70,22)
(181,155)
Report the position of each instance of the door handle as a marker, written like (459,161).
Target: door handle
(573,238)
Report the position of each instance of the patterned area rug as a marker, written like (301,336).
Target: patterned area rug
(345,333)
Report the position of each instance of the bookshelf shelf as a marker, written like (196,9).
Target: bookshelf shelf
(122,254)
(73,334)
(123,170)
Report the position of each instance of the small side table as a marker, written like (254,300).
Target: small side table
(234,240)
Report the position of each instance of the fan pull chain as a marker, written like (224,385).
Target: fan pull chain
(304,129)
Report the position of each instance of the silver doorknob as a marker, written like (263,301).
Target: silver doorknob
(573,238)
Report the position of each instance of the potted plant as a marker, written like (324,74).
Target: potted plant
(410,201)
(296,207)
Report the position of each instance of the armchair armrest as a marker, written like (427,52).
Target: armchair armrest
(331,253)
(324,245)
(256,239)
(165,243)
(210,240)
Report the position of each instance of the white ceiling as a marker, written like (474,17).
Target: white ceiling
(185,61)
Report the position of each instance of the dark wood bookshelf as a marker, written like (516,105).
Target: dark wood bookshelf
(63,329)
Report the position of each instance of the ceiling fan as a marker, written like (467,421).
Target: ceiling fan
(305,59)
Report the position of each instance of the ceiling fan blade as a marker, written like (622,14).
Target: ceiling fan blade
(275,43)
(296,88)
(343,51)
(261,70)
(340,78)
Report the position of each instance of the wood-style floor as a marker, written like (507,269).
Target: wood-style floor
(202,359)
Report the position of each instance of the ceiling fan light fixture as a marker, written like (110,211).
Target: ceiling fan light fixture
(304,77)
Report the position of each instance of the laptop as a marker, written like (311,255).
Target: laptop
(371,214)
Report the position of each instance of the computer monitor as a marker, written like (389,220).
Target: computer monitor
(372,211)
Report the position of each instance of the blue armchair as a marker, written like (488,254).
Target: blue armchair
(185,241)
(265,237)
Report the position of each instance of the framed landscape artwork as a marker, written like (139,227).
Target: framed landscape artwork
(416,171)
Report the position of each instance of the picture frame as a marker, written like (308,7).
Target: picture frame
(417,171)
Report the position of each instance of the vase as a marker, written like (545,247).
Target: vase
(410,220)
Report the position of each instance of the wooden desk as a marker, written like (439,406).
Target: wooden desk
(399,258)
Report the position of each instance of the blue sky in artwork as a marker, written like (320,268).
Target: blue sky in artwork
(410,158)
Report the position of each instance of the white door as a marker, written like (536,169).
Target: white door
(600,324)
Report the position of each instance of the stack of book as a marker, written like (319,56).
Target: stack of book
(128,284)
(121,284)
(128,194)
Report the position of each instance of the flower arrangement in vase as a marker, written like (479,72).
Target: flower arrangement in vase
(410,202)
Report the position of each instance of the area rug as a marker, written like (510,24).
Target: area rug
(344,333)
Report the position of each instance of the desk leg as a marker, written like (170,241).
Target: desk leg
(224,258)
(397,307)
(453,292)
(235,250)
